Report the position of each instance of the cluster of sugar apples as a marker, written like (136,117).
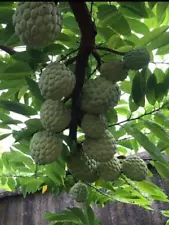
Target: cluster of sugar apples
(38,24)
(97,157)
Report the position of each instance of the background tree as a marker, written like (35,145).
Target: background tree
(92,34)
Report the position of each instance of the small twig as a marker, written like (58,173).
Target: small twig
(7,49)
(71,60)
(70,53)
(134,187)
(98,58)
(167,63)
(110,50)
(96,189)
(139,117)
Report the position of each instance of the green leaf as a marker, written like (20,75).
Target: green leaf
(147,145)
(138,89)
(90,215)
(157,130)
(160,41)
(162,169)
(151,189)
(151,36)
(151,89)
(79,214)
(163,50)
(110,16)
(3,136)
(16,70)
(161,8)
(159,117)
(152,4)
(54,49)
(11,121)
(17,108)
(138,26)
(64,216)
(137,8)
(34,88)
(6,15)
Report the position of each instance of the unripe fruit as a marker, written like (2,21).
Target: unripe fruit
(56,81)
(79,192)
(134,168)
(136,59)
(45,147)
(113,71)
(94,126)
(99,95)
(110,170)
(102,149)
(37,24)
(55,116)
(82,167)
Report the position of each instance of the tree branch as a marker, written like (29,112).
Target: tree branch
(7,49)
(109,50)
(88,33)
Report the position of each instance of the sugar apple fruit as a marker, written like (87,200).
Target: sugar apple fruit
(136,59)
(56,81)
(99,95)
(79,192)
(45,147)
(114,71)
(82,167)
(94,126)
(102,149)
(37,24)
(54,115)
(134,168)
(110,170)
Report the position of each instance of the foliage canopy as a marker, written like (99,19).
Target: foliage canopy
(139,121)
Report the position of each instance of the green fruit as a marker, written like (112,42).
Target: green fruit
(102,149)
(110,170)
(94,126)
(114,71)
(135,168)
(37,24)
(136,59)
(82,167)
(54,115)
(79,192)
(45,147)
(99,95)
(34,125)
(56,81)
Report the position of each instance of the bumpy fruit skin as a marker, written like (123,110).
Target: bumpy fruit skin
(102,149)
(94,126)
(136,59)
(56,81)
(79,192)
(110,170)
(54,115)
(99,95)
(82,167)
(37,24)
(135,168)
(45,147)
(114,71)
